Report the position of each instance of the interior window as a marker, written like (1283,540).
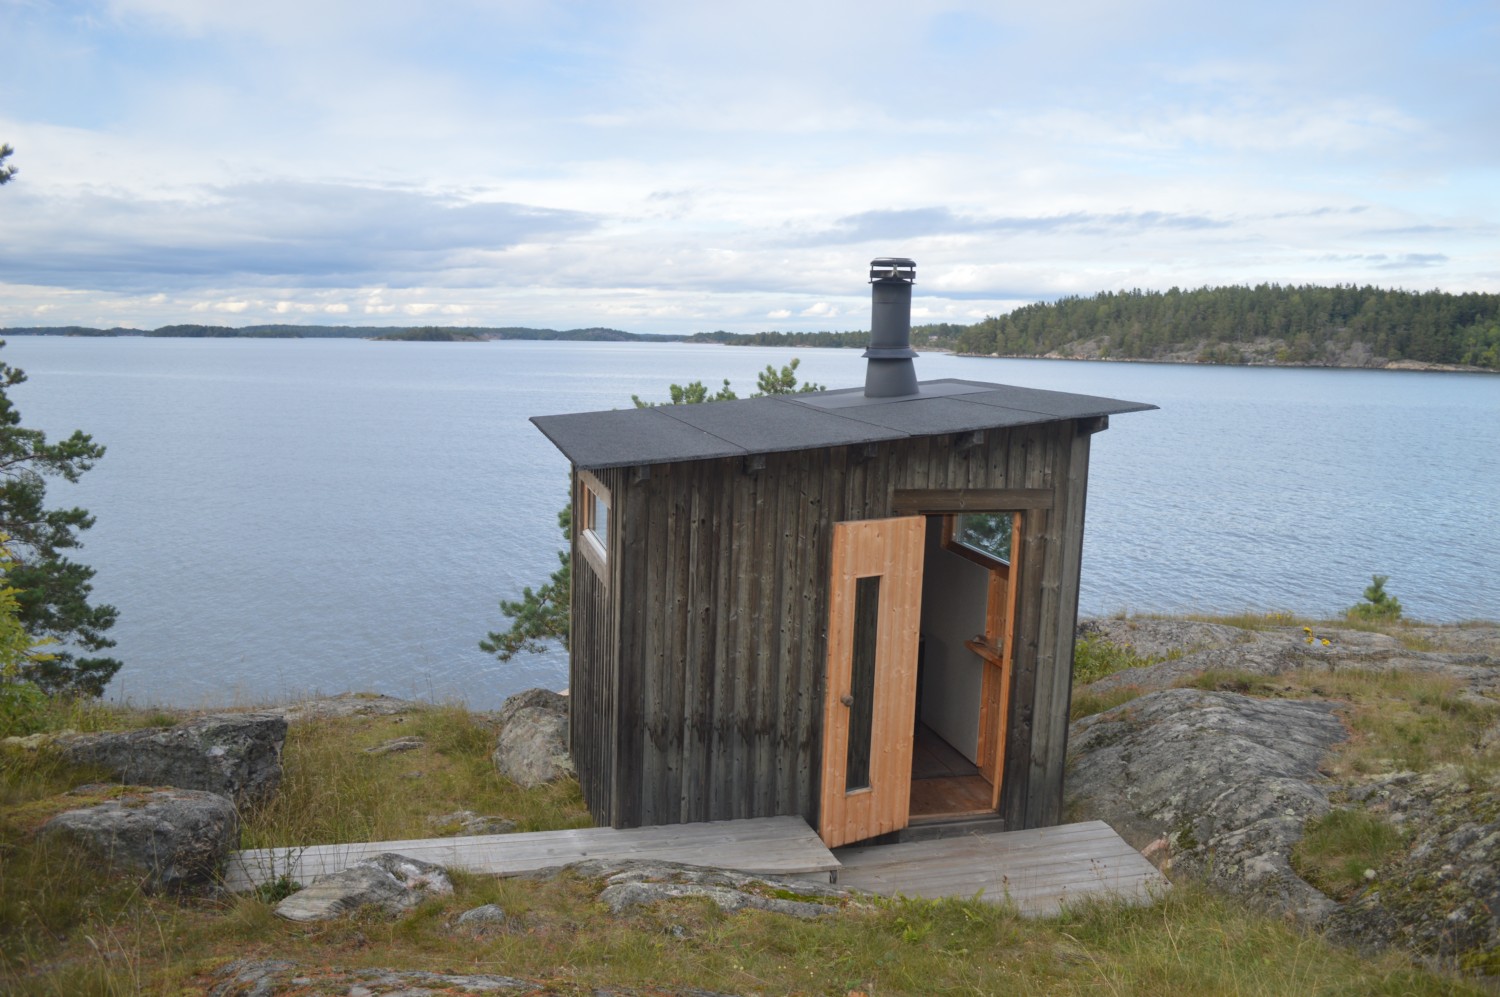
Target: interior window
(983,533)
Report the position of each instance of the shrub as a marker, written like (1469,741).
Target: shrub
(1378,604)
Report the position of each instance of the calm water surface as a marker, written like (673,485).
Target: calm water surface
(281,517)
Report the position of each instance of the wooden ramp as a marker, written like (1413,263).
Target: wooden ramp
(775,846)
(1037,870)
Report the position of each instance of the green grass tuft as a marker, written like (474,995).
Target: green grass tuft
(1094,657)
(1341,850)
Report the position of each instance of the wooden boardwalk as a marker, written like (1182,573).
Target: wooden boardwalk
(771,846)
(1037,870)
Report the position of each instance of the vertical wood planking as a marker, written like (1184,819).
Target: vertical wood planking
(1024,652)
(626,764)
(1074,485)
(697,699)
(1043,471)
(728,564)
(760,790)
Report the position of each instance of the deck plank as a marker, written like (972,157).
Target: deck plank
(780,846)
(1038,870)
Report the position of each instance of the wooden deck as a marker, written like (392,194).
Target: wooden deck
(1037,870)
(775,846)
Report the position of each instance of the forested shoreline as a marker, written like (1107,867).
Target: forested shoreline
(1304,325)
(1272,324)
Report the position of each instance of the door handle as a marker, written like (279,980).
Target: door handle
(846,699)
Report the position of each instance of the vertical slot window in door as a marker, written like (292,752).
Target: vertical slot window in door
(862,682)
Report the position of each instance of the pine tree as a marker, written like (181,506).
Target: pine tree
(51,590)
(544,613)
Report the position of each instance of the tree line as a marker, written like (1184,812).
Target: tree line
(1341,325)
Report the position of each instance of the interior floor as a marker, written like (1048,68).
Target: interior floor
(944,782)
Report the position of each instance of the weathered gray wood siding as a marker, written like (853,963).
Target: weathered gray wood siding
(594,659)
(720,584)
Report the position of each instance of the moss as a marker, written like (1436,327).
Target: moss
(1184,835)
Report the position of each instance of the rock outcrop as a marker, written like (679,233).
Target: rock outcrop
(176,839)
(1187,648)
(237,755)
(532,748)
(1228,780)
(264,977)
(394,883)
(1442,899)
(631,884)
(1223,785)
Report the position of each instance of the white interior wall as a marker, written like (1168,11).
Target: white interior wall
(954,591)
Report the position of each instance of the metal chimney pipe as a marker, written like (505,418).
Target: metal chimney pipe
(890,373)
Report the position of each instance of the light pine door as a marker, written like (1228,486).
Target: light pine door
(875,612)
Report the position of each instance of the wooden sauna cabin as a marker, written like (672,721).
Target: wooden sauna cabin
(856,608)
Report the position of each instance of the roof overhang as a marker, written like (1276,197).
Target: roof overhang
(814,420)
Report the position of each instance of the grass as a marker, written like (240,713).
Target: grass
(1398,720)
(1094,657)
(22,714)
(334,791)
(66,929)
(1342,849)
(1249,619)
(1086,703)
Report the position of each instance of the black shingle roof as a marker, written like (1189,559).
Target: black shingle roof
(779,423)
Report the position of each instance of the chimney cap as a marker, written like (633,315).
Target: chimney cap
(893,268)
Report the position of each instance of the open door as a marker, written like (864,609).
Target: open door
(996,647)
(875,612)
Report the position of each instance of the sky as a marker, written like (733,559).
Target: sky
(673,167)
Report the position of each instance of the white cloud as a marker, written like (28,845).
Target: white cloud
(677,166)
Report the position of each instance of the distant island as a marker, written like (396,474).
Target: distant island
(1269,324)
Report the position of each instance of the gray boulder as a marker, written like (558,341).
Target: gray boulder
(479,918)
(463,823)
(392,882)
(177,838)
(553,702)
(237,755)
(532,748)
(1225,780)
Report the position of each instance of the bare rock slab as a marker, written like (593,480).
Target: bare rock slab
(533,745)
(248,978)
(178,839)
(1228,780)
(392,882)
(632,883)
(237,755)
